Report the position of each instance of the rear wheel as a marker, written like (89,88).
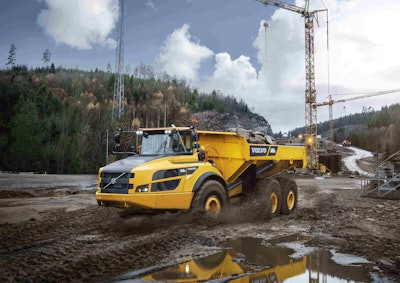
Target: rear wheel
(211,198)
(269,194)
(289,194)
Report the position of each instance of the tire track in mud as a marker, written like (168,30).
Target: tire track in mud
(94,244)
(86,245)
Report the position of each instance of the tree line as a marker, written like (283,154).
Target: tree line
(54,120)
(376,131)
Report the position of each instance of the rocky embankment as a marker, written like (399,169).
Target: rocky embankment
(214,121)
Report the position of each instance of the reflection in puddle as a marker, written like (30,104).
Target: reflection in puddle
(216,266)
(252,260)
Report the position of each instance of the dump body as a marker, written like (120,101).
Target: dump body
(175,163)
(232,155)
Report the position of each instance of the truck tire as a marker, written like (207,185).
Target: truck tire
(211,198)
(289,194)
(269,193)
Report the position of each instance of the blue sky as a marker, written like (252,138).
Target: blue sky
(222,26)
(222,45)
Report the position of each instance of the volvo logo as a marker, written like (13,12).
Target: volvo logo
(258,150)
(113,180)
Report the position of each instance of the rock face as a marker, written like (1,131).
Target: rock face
(214,121)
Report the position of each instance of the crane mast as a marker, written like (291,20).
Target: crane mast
(310,92)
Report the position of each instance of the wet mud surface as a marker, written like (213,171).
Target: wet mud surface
(93,244)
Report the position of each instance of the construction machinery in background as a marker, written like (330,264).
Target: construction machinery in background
(386,182)
(310,92)
(330,102)
(182,169)
(346,143)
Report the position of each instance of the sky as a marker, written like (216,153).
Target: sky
(223,45)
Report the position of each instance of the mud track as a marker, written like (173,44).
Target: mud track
(92,244)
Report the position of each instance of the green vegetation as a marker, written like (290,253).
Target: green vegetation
(377,131)
(55,120)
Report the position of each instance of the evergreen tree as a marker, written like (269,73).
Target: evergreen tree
(52,68)
(28,136)
(12,55)
(46,56)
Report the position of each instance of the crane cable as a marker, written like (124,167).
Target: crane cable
(327,45)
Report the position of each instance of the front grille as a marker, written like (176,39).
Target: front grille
(115,175)
(115,183)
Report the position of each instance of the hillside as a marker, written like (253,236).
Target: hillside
(55,120)
(377,131)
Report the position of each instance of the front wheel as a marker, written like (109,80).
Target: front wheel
(211,198)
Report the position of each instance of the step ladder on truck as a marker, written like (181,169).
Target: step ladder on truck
(184,169)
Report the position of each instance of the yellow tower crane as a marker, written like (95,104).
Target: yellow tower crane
(310,92)
(330,102)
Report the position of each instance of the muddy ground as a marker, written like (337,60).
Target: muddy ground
(50,234)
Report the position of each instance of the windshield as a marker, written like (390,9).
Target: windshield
(165,143)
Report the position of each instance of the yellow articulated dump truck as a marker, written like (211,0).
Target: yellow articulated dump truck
(184,169)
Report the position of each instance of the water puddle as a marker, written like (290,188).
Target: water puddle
(257,261)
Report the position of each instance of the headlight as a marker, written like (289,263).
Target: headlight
(142,189)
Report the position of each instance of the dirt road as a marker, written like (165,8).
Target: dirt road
(92,244)
(351,161)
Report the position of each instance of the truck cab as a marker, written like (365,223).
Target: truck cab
(162,174)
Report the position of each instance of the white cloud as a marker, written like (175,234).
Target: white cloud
(363,45)
(231,75)
(80,23)
(363,54)
(182,57)
(276,91)
(363,57)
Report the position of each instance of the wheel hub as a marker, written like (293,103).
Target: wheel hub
(213,205)
(290,200)
(274,202)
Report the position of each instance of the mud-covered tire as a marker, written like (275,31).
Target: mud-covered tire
(210,199)
(289,195)
(270,195)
